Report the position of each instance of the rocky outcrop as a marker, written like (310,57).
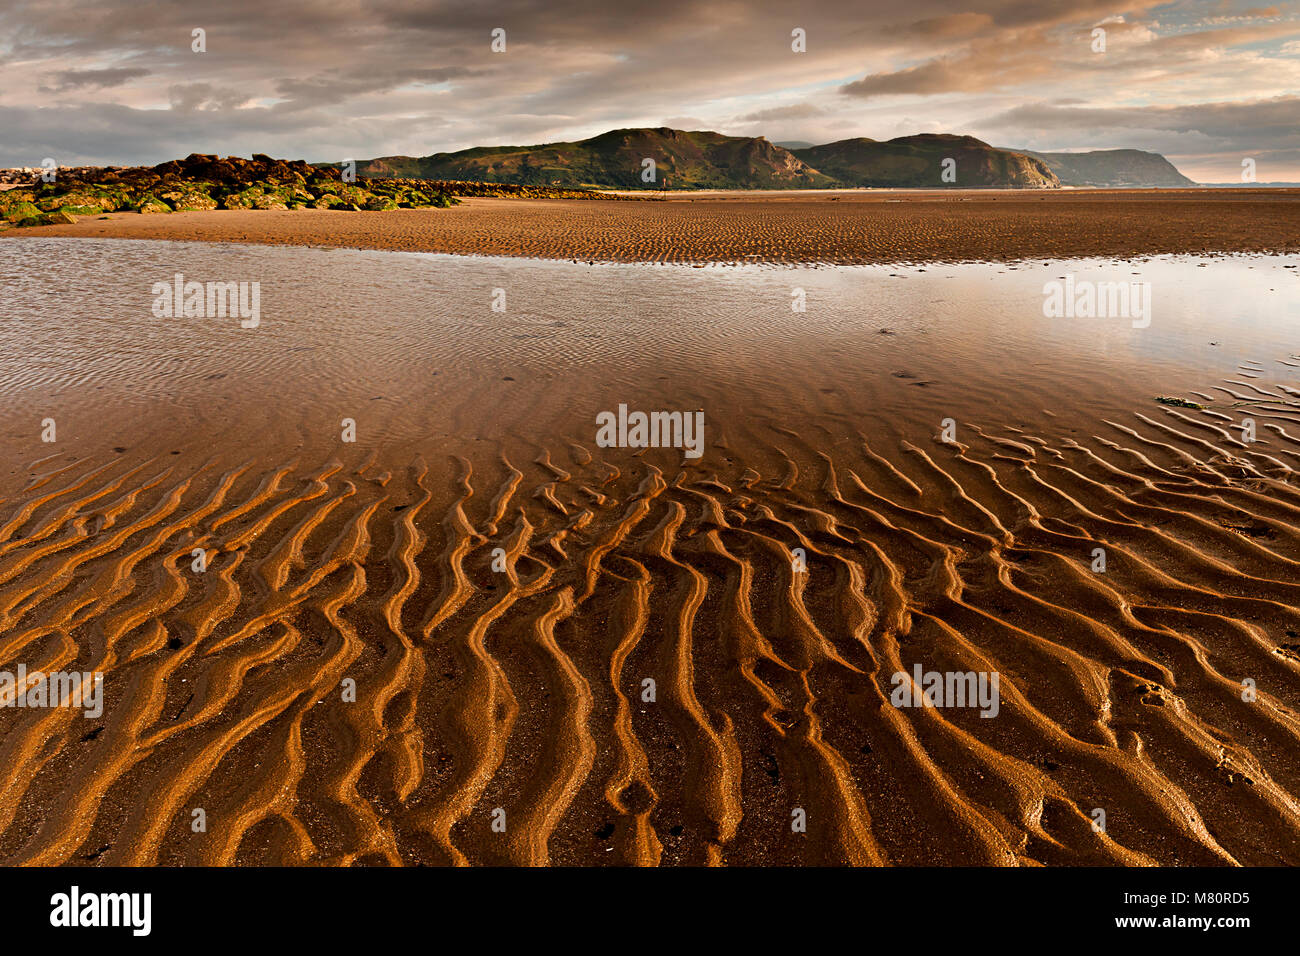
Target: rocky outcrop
(202,182)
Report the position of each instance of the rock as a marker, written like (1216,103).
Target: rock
(189,197)
(195,201)
(351,194)
(152,205)
(206,181)
(11,196)
(243,199)
(47,219)
(19,211)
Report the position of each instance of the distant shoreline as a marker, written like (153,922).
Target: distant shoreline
(851,227)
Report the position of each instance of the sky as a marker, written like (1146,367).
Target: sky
(1208,83)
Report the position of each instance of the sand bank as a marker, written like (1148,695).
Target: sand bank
(844,227)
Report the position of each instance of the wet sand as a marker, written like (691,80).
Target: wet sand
(510,685)
(843,227)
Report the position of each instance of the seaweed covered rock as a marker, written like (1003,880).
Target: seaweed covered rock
(352,195)
(18,211)
(243,199)
(202,181)
(150,205)
(189,197)
(75,197)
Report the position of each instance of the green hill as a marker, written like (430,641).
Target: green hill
(705,160)
(914,161)
(683,160)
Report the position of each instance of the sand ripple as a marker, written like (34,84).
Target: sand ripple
(523,689)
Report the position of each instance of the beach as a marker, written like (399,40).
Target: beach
(366,583)
(841,227)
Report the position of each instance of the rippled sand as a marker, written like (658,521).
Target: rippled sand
(854,227)
(522,690)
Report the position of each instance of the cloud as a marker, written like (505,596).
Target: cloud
(67,80)
(1210,138)
(957,25)
(683,122)
(1271,122)
(121,84)
(186,97)
(937,76)
(793,111)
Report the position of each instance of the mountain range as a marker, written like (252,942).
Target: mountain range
(707,160)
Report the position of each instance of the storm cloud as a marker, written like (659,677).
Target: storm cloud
(115,81)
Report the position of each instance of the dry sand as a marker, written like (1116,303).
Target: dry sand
(859,227)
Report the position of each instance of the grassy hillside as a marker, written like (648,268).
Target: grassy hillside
(706,160)
(683,160)
(914,161)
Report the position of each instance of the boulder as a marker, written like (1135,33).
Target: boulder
(47,219)
(16,212)
(243,199)
(351,194)
(189,197)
